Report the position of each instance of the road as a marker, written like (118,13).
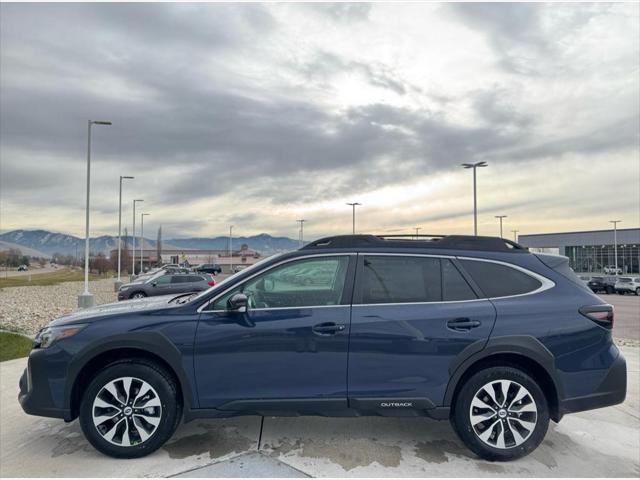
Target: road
(31,271)
(627,315)
(600,443)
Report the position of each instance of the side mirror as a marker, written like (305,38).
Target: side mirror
(238,303)
(154,284)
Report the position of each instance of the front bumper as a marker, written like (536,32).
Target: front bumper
(611,391)
(35,395)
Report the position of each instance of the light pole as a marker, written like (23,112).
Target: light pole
(301,232)
(230,249)
(500,217)
(142,215)
(475,201)
(515,235)
(615,241)
(118,282)
(417,230)
(354,205)
(86,299)
(133,241)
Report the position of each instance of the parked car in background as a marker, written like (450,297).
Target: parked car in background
(166,284)
(239,268)
(23,268)
(602,284)
(584,279)
(475,330)
(612,270)
(628,285)
(212,268)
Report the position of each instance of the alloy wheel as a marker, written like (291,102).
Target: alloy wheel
(503,414)
(127,411)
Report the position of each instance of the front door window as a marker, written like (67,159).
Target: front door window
(317,281)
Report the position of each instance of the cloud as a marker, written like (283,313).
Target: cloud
(225,111)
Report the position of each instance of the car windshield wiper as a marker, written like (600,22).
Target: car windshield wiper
(180,298)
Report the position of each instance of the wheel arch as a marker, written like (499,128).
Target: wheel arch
(151,346)
(526,353)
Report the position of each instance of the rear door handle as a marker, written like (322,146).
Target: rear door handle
(463,324)
(327,328)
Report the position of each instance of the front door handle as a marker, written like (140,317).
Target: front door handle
(327,328)
(463,324)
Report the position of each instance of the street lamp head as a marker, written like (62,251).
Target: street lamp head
(353,203)
(482,164)
(130,178)
(101,122)
(138,200)
(474,165)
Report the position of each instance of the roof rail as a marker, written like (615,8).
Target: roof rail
(453,242)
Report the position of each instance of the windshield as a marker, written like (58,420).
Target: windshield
(624,280)
(245,271)
(597,279)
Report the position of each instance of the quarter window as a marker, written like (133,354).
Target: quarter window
(496,280)
(396,279)
(317,281)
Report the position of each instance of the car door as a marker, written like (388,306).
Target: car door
(412,315)
(162,285)
(288,351)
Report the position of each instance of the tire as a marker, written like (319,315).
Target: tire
(159,411)
(530,427)
(638,292)
(138,295)
(609,290)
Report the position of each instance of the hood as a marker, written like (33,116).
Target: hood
(113,309)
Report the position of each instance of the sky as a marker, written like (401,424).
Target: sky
(256,115)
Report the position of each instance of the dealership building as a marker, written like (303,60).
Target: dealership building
(590,251)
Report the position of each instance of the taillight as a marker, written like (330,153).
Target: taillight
(603,315)
(211,283)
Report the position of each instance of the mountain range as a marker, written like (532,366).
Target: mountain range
(44,243)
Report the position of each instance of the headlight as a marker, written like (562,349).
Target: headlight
(49,335)
(124,287)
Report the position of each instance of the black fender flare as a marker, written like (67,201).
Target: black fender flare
(522,345)
(152,342)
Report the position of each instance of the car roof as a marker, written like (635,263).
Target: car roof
(448,242)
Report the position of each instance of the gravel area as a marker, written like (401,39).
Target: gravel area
(28,309)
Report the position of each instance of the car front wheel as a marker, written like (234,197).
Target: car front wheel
(139,295)
(501,413)
(130,409)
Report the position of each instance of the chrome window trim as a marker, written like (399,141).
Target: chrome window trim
(202,307)
(546,284)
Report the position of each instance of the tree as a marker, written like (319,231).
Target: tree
(159,246)
(99,263)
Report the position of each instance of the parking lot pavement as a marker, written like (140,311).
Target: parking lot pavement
(603,442)
(627,322)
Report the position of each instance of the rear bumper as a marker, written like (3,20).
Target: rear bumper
(611,391)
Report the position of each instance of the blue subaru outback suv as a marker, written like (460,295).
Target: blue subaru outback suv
(477,330)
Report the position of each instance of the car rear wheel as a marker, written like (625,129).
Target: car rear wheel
(501,413)
(130,409)
(609,290)
(139,295)
(638,291)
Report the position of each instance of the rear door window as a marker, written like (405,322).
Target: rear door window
(497,280)
(398,279)
(454,286)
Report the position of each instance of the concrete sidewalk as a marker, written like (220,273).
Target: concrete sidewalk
(600,443)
